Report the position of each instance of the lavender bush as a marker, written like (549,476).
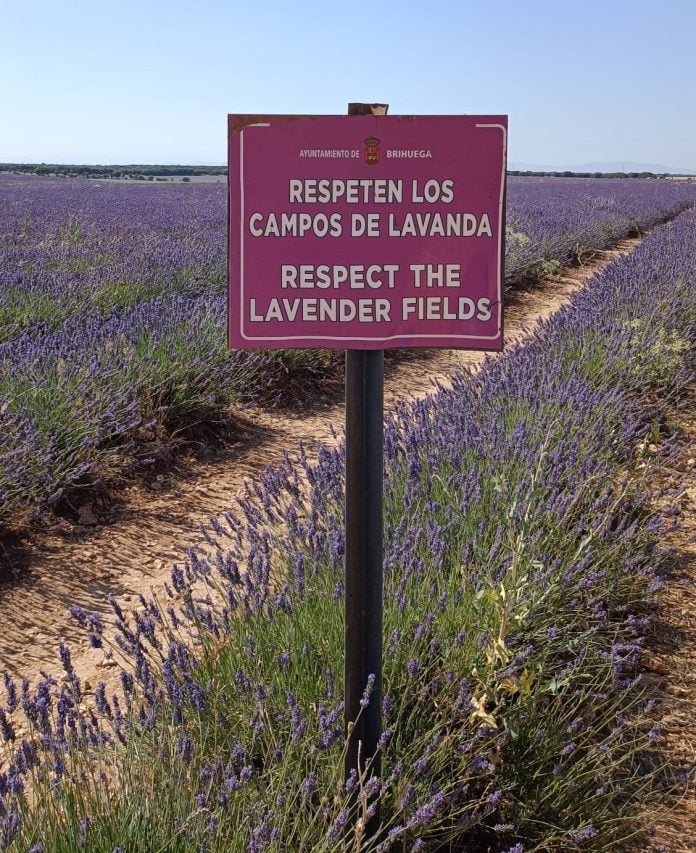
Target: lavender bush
(520,565)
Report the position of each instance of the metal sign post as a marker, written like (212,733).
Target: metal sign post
(363,560)
(364,547)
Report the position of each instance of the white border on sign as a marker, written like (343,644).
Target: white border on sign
(346,340)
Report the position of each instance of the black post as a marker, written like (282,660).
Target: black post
(364,545)
(363,606)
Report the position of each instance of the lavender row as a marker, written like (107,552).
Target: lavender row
(555,221)
(74,247)
(520,562)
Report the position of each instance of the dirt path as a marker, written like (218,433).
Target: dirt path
(154,525)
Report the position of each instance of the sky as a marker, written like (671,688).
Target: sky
(147,81)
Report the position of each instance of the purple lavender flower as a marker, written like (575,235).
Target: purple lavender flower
(568,749)
(185,748)
(367,692)
(330,683)
(85,824)
(309,785)
(101,701)
(297,721)
(494,798)
(585,834)
(11,690)
(336,831)
(6,727)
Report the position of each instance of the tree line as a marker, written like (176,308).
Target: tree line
(133,171)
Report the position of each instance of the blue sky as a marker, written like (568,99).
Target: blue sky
(151,81)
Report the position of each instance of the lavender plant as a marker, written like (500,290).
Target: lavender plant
(521,561)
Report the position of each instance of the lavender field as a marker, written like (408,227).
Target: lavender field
(112,314)
(522,566)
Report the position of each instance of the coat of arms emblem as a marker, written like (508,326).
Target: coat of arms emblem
(372,150)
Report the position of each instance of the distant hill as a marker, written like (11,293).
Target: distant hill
(618,166)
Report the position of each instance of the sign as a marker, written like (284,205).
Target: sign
(366,232)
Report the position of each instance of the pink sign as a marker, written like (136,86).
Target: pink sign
(366,232)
